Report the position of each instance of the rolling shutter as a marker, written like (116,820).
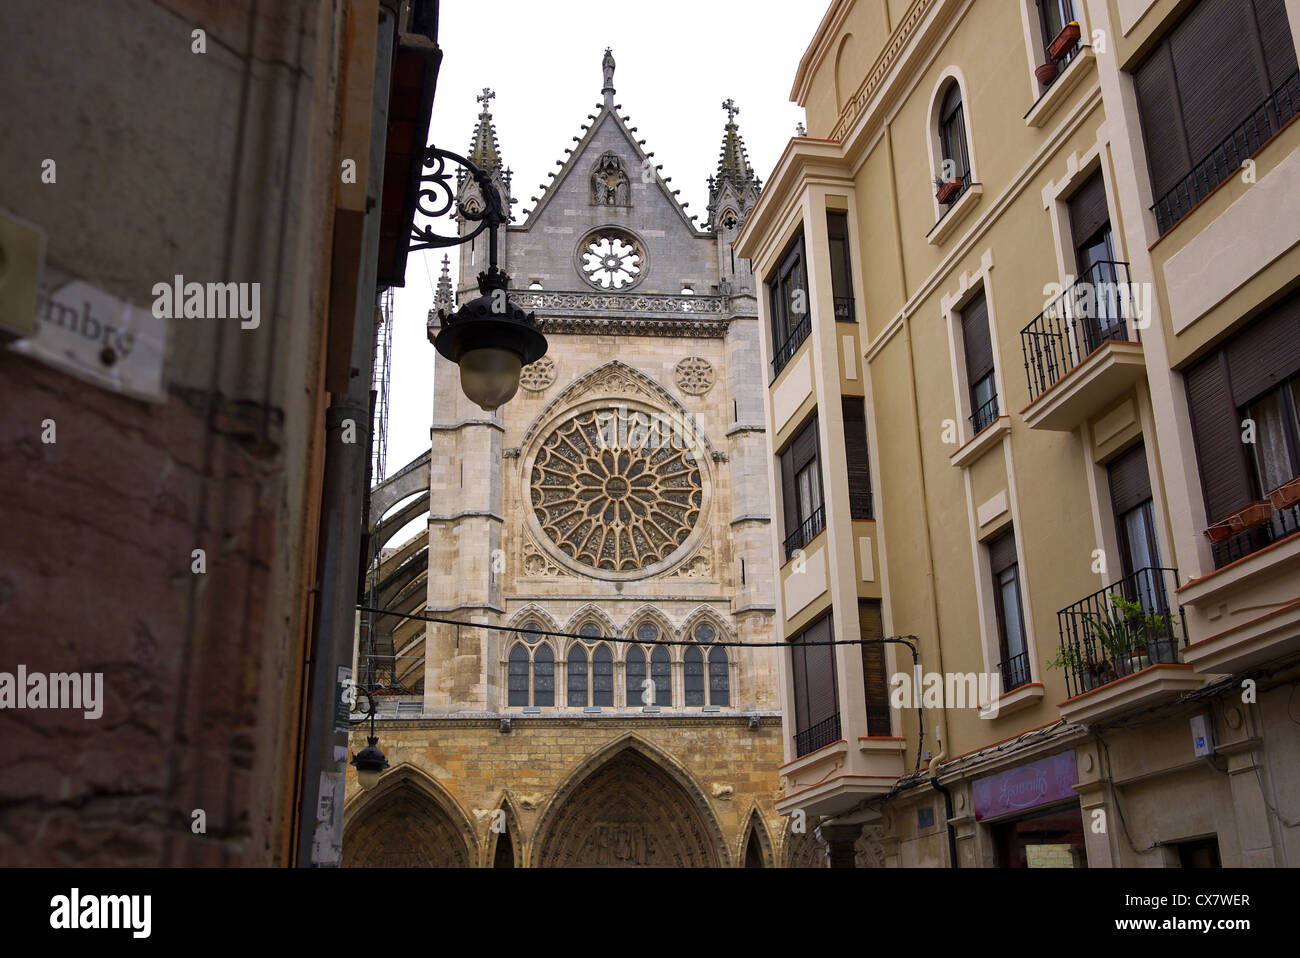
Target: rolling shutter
(1088,211)
(822,697)
(875,681)
(975,336)
(1266,353)
(1217,68)
(1162,121)
(789,496)
(1275,37)
(1130,484)
(1002,552)
(1220,454)
(855,452)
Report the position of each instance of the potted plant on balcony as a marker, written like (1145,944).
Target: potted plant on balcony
(1286,495)
(1089,672)
(1255,514)
(946,190)
(1046,72)
(1065,40)
(1122,633)
(1219,531)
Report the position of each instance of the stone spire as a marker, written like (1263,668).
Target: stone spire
(734,170)
(483,150)
(442,297)
(607,67)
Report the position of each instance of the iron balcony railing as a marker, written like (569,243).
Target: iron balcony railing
(818,736)
(1093,310)
(1224,161)
(1121,629)
(1015,671)
(982,417)
(1283,523)
(807,529)
(787,349)
(860,505)
(844,310)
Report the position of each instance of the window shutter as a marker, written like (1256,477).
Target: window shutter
(1088,211)
(1002,552)
(1162,122)
(1130,484)
(805,443)
(1217,72)
(789,495)
(875,681)
(1275,37)
(823,700)
(855,449)
(1220,454)
(975,336)
(1266,353)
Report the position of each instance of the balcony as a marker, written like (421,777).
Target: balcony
(1120,647)
(983,417)
(1015,671)
(861,505)
(807,530)
(785,352)
(1224,161)
(1083,351)
(1237,544)
(818,736)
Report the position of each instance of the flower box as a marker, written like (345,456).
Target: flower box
(1065,40)
(1255,514)
(1219,531)
(1286,495)
(1046,73)
(948,191)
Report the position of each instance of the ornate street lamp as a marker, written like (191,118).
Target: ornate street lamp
(370,762)
(490,338)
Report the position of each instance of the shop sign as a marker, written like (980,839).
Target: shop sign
(1027,786)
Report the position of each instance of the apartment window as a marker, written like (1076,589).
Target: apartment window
(788,302)
(855,450)
(1053,15)
(1130,497)
(801,489)
(837,230)
(1202,853)
(875,679)
(816,700)
(979,363)
(952,139)
(1247,390)
(1008,607)
(1210,94)
(1096,262)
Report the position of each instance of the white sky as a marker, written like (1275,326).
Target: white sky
(677,60)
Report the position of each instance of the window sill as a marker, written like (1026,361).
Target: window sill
(959,211)
(1046,106)
(991,435)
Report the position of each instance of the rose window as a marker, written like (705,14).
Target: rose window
(611,259)
(614,495)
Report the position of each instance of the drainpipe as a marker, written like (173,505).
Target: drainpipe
(947,803)
(342,504)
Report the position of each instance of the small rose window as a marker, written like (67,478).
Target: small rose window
(612,259)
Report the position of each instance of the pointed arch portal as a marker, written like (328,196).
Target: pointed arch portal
(404,827)
(628,812)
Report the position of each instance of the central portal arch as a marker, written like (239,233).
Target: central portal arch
(629,809)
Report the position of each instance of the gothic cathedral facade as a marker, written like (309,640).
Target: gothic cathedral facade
(611,523)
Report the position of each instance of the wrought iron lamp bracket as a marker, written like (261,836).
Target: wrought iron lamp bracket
(437,196)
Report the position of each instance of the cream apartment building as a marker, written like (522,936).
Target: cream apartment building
(1032,333)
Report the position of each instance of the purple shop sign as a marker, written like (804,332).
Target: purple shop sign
(1028,786)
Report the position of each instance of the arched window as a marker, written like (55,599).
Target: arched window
(517,684)
(602,677)
(719,681)
(952,136)
(693,667)
(544,677)
(662,676)
(577,677)
(589,630)
(636,677)
(704,632)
